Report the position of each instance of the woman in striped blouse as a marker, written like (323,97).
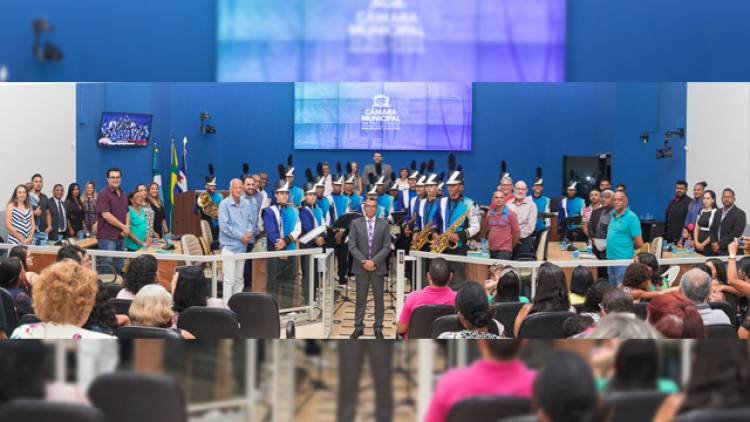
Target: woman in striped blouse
(18,218)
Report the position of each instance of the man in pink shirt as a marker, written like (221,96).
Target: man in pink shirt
(498,373)
(436,293)
(504,232)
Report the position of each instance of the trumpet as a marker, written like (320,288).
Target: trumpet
(207,205)
(443,241)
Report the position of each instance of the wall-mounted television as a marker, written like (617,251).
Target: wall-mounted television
(434,116)
(118,129)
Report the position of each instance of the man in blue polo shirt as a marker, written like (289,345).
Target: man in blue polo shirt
(623,236)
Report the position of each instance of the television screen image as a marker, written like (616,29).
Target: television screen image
(383,115)
(391,40)
(124,129)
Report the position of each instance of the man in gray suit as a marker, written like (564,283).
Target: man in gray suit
(369,245)
(377,169)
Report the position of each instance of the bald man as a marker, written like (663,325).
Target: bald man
(525,209)
(237,229)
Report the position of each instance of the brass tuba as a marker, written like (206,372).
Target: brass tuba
(208,206)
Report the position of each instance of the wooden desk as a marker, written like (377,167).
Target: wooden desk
(43,260)
(165,268)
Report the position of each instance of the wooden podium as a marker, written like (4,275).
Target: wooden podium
(185,220)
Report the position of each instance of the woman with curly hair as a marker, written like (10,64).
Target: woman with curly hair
(63,299)
(141,272)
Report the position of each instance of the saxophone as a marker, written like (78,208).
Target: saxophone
(443,241)
(421,237)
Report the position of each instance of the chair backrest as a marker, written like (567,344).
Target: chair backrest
(9,309)
(445,323)
(542,243)
(39,410)
(209,323)
(122,306)
(671,274)
(136,332)
(451,323)
(488,408)
(544,325)
(725,331)
(420,323)
(206,232)
(112,289)
(640,310)
(628,406)
(28,319)
(150,397)
(506,313)
(191,245)
(738,414)
(656,246)
(727,308)
(258,314)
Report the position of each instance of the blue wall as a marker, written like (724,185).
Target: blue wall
(162,40)
(528,125)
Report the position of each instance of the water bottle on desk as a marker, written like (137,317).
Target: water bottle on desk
(485,248)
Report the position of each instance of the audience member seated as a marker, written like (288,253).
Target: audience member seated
(565,391)
(141,272)
(617,301)
(675,316)
(637,368)
(475,314)
(695,285)
(638,282)
(594,296)
(436,293)
(551,294)
(648,259)
(719,379)
(25,365)
(190,288)
(624,327)
(102,318)
(63,299)
(499,361)
(10,280)
(152,307)
(27,260)
(504,285)
(721,291)
(577,325)
(74,252)
(580,283)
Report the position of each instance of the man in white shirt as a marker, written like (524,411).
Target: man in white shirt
(526,211)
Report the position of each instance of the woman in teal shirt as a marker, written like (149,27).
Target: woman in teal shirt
(136,221)
(503,285)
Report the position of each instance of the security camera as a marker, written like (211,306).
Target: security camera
(206,129)
(44,51)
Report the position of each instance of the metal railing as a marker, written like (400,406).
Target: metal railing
(311,254)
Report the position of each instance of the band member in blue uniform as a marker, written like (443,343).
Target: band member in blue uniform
(404,198)
(542,205)
(281,221)
(340,206)
(355,199)
(570,207)
(311,217)
(296,194)
(216,197)
(451,208)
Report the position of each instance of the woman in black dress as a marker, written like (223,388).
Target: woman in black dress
(74,209)
(160,214)
(701,232)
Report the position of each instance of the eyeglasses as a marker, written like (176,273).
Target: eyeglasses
(370,206)
(114,177)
